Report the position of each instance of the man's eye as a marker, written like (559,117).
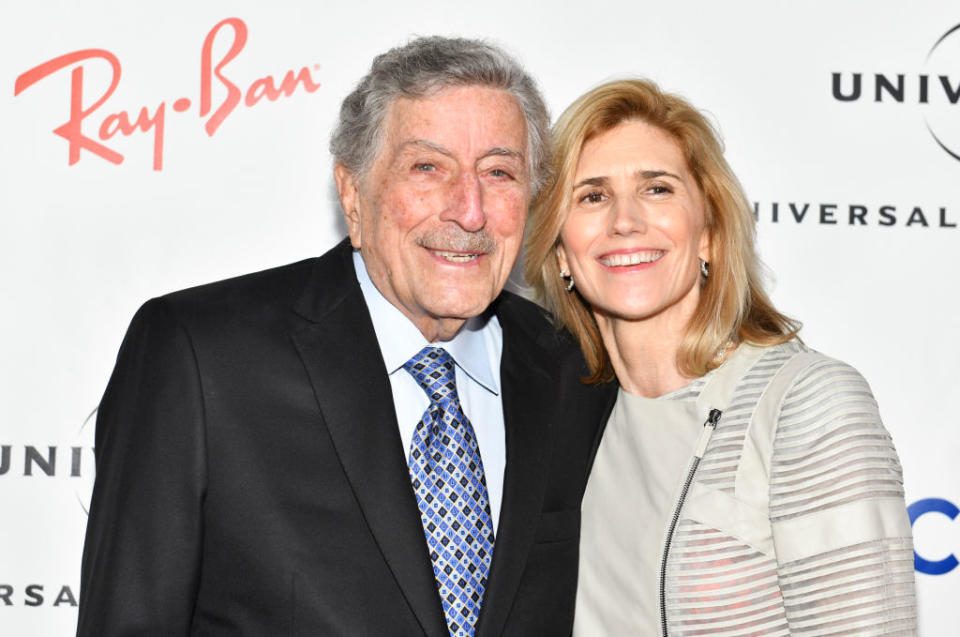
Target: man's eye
(424,167)
(498,172)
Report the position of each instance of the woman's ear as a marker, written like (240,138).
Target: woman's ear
(562,258)
(705,253)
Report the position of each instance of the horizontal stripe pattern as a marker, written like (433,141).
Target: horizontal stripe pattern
(830,449)
(865,589)
(717,585)
(718,469)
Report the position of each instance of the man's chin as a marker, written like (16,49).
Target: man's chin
(459,306)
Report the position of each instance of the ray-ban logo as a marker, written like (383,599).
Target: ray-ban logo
(87,103)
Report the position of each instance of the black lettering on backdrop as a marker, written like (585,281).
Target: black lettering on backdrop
(34,595)
(31,456)
(943,220)
(65,597)
(952,94)
(894,89)
(826,213)
(888,218)
(838,94)
(38,463)
(883,84)
(798,214)
(859,213)
(917,217)
(914,87)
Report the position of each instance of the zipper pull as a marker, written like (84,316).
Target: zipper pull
(709,425)
(713,418)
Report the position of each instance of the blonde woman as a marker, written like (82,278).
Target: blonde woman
(745,484)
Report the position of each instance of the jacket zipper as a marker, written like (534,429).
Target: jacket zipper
(708,428)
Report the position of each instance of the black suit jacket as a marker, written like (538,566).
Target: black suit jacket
(251,479)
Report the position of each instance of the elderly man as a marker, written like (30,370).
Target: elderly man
(373,442)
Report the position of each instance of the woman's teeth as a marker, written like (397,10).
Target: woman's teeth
(632,258)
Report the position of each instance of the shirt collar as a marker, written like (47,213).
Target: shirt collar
(400,339)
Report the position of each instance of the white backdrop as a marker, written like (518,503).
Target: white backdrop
(83,245)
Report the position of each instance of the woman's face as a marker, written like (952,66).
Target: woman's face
(636,226)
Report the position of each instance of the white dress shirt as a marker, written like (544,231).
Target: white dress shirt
(476,351)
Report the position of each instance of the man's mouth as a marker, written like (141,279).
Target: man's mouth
(455,257)
(621,260)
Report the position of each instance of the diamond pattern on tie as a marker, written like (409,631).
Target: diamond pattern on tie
(451,490)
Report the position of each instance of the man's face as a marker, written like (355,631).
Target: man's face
(439,216)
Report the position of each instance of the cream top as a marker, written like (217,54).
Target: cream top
(640,467)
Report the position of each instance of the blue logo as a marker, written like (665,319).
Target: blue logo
(933,505)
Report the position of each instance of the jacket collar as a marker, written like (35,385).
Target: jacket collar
(340,352)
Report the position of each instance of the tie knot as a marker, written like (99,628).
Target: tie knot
(432,368)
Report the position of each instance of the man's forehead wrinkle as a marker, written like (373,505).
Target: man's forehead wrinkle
(411,145)
(424,143)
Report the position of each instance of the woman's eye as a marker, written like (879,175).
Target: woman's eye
(592,197)
(659,189)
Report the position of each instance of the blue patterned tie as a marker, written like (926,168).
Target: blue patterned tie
(447,476)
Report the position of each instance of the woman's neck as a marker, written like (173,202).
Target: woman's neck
(644,352)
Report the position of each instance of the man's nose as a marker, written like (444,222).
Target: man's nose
(466,208)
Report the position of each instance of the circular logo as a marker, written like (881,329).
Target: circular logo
(940,92)
(84,440)
(941,507)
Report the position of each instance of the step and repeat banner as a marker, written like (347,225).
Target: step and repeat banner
(148,147)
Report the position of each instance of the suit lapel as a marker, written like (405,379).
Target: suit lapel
(527,389)
(342,358)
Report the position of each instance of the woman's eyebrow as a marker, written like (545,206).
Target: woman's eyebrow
(591,181)
(653,174)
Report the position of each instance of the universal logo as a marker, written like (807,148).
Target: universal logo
(74,462)
(34,595)
(933,89)
(854,214)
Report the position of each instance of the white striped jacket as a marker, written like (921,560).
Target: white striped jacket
(794,522)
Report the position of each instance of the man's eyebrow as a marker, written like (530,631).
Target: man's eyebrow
(425,143)
(505,152)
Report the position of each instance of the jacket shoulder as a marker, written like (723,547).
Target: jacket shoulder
(281,284)
(533,322)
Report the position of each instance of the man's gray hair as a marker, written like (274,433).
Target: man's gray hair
(421,68)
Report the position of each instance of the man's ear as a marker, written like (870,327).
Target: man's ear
(349,191)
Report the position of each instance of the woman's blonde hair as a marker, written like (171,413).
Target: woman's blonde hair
(733,307)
